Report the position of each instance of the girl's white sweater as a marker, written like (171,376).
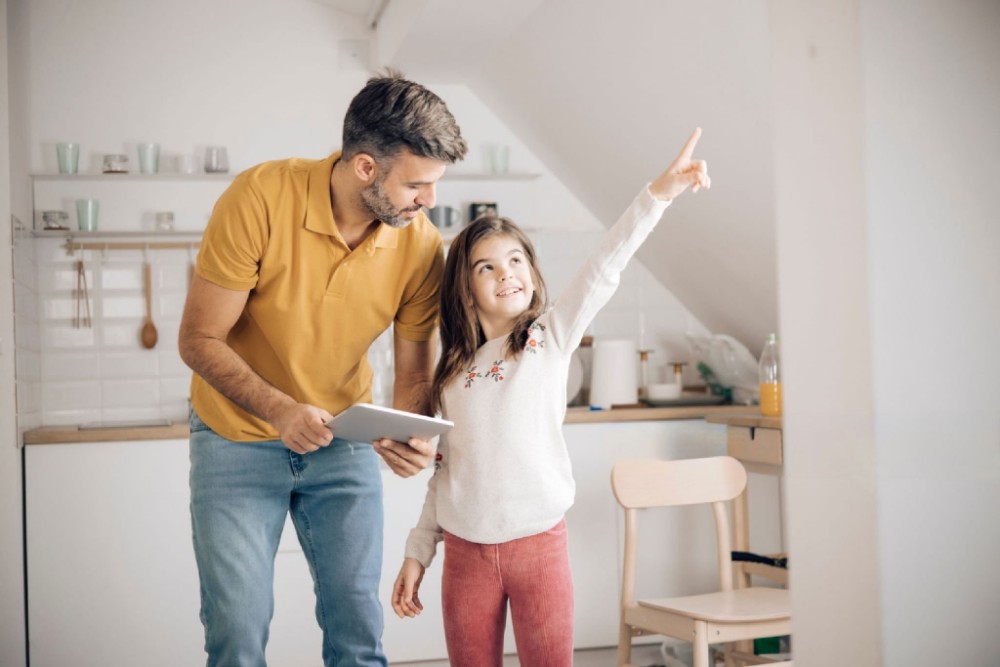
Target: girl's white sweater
(503,471)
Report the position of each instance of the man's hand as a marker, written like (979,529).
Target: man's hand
(682,173)
(405,601)
(406,460)
(302,427)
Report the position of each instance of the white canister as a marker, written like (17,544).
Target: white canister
(614,378)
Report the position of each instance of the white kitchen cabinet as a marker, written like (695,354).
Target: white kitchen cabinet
(296,639)
(111,572)
(112,579)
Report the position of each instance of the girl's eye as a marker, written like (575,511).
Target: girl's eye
(515,260)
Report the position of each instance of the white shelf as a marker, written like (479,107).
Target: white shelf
(131,177)
(111,234)
(480,176)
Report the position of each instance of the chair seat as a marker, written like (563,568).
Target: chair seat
(759,604)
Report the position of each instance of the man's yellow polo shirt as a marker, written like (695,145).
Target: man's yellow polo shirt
(315,306)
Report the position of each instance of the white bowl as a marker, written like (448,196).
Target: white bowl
(663,391)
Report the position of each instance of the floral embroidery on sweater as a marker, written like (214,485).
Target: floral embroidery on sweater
(496,373)
(535,340)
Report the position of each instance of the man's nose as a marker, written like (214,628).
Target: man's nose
(427,197)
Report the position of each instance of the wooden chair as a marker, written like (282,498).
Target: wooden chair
(724,616)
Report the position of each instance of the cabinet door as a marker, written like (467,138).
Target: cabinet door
(420,638)
(296,639)
(111,573)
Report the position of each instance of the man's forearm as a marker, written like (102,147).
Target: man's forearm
(412,395)
(229,374)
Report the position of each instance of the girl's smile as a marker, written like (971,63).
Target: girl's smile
(502,284)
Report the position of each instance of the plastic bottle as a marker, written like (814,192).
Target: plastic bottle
(770,378)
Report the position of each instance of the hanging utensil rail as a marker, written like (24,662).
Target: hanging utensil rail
(72,246)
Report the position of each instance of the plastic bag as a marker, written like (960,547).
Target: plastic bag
(730,362)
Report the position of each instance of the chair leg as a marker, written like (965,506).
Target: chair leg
(728,653)
(624,645)
(699,645)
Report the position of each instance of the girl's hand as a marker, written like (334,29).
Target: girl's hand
(406,460)
(682,173)
(405,601)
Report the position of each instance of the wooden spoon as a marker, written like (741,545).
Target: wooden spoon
(148,335)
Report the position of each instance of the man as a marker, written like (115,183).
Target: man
(302,265)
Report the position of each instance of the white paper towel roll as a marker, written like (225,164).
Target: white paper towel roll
(614,378)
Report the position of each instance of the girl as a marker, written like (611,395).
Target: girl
(503,482)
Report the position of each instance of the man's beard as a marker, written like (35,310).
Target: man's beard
(377,201)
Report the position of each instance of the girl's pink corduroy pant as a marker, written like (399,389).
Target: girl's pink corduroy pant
(533,574)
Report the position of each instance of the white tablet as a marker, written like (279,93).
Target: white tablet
(364,422)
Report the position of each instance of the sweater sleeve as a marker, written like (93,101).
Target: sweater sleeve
(596,281)
(422,541)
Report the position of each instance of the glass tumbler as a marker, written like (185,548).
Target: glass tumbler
(216,160)
(68,155)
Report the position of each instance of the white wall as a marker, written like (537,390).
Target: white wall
(12,645)
(886,150)
(606,94)
(187,84)
(266,79)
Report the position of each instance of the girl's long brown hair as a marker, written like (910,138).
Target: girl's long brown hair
(461,334)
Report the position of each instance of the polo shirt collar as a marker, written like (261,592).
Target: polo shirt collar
(319,211)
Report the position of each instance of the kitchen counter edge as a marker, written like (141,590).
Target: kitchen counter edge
(54,435)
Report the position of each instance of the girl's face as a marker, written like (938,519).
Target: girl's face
(502,286)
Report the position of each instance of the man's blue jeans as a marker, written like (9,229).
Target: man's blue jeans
(240,494)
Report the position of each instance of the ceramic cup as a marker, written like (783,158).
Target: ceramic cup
(86,214)
(149,157)
(496,158)
(216,160)
(185,164)
(68,155)
(444,216)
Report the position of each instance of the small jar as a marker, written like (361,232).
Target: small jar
(115,164)
(165,221)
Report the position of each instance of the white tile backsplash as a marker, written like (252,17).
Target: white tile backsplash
(170,362)
(123,334)
(128,393)
(124,306)
(65,366)
(169,306)
(60,334)
(121,279)
(115,364)
(72,395)
(103,373)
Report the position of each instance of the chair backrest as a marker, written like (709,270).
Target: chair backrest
(639,484)
(655,483)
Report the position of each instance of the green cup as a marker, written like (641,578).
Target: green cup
(149,158)
(86,214)
(69,157)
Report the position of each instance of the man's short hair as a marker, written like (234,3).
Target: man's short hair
(391,113)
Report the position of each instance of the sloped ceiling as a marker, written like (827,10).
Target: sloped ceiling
(606,93)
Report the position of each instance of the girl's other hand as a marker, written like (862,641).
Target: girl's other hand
(406,460)
(682,173)
(405,601)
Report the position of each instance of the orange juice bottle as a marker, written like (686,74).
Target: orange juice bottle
(770,378)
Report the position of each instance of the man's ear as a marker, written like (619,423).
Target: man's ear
(364,167)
